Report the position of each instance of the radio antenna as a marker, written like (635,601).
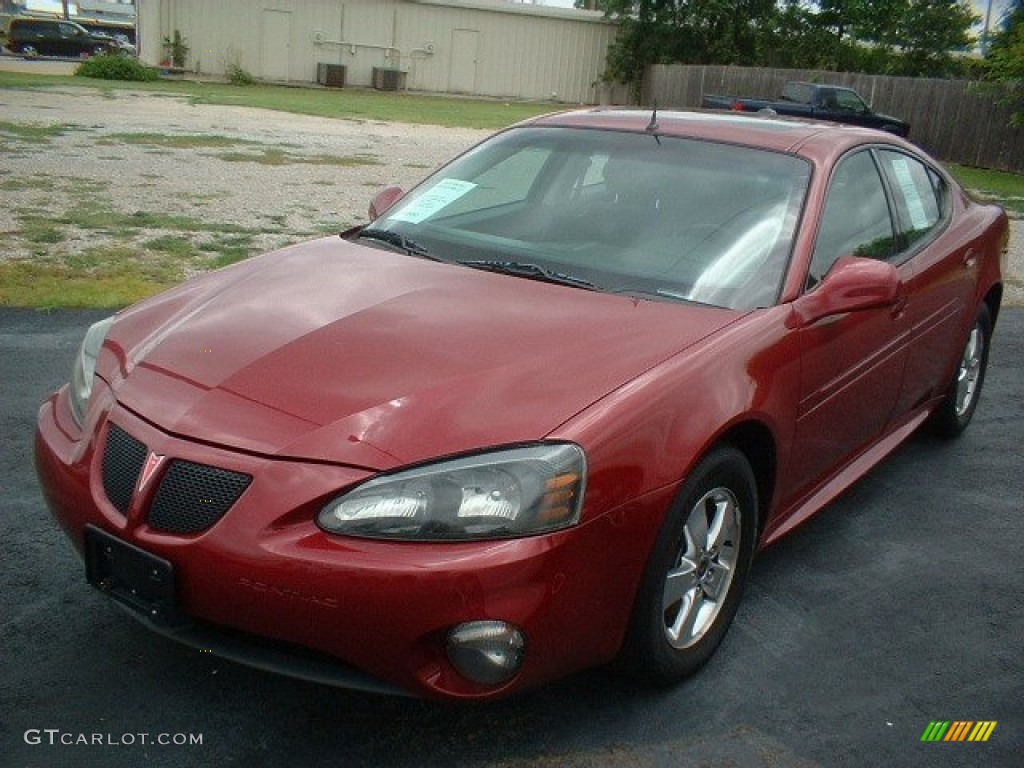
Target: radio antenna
(653,125)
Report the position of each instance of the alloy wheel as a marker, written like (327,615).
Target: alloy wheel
(970,370)
(697,584)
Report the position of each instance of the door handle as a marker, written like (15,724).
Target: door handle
(899,306)
(970,258)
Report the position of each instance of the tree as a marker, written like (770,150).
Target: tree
(825,35)
(792,38)
(927,32)
(685,31)
(1006,61)
(906,37)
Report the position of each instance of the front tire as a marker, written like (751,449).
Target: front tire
(957,408)
(694,578)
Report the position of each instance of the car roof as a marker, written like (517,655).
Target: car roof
(821,85)
(815,140)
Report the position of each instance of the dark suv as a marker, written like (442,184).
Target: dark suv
(55,37)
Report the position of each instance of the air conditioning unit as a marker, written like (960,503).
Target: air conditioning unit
(385,79)
(332,75)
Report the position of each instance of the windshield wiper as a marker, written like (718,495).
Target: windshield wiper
(532,271)
(397,241)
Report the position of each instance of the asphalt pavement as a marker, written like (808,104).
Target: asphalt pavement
(899,605)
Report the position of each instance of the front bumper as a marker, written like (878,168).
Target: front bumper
(383,610)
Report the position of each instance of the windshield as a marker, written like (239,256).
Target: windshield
(659,217)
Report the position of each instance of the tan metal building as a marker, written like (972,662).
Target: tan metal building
(482,47)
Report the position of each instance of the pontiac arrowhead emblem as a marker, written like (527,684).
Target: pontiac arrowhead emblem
(153,462)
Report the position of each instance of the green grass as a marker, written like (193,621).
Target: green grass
(175,141)
(348,103)
(274,156)
(1006,189)
(228,255)
(103,282)
(40,230)
(101,218)
(111,275)
(36,181)
(173,245)
(34,133)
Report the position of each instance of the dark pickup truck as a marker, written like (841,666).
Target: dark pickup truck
(818,102)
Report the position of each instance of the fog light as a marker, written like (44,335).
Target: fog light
(486,652)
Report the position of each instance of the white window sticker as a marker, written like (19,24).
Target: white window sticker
(444,193)
(915,208)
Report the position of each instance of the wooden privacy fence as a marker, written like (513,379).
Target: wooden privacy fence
(957,121)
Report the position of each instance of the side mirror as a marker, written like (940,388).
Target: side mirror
(384,199)
(853,284)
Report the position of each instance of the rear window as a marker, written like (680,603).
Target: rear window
(798,92)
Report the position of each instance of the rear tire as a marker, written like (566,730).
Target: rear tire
(953,415)
(694,578)
(29,51)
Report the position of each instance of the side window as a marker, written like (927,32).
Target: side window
(921,196)
(850,101)
(856,219)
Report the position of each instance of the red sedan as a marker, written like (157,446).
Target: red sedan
(539,414)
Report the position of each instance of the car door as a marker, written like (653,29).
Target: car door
(850,108)
(56,39)
(851,364)
(70,40)
(941,292)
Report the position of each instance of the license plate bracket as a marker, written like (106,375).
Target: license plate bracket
(134,577)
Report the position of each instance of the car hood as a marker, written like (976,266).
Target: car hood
(892,119)
(332,351)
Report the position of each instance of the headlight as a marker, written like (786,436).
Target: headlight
(500,494)
(85,367)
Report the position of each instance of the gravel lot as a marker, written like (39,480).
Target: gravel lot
(327,171)
(307,193)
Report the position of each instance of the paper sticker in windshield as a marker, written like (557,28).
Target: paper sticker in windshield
(918,217)
(444,193)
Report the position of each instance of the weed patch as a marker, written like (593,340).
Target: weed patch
(36,230)
(33,133)
(40,181)
(274,156)
(173,245)
(176,141)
